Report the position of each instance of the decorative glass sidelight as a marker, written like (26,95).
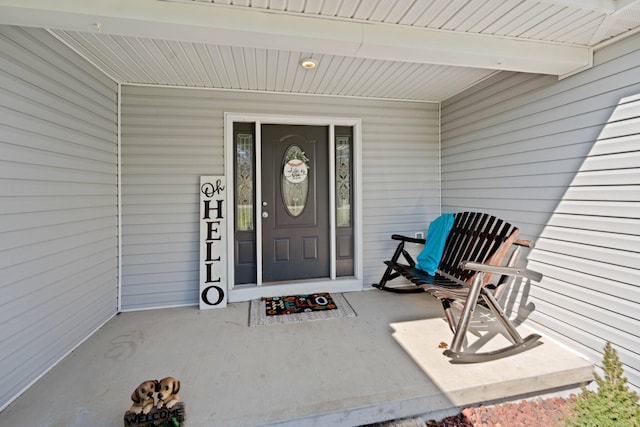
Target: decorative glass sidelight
(295,185)
(343,181)
(244,182)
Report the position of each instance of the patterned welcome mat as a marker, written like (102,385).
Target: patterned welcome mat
(298,308)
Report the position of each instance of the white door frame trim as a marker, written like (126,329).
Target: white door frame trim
(332,283)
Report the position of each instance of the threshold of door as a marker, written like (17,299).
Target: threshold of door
(249,292)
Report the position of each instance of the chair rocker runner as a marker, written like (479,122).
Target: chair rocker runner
(475,248)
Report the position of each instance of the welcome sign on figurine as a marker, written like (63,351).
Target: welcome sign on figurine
(213,228)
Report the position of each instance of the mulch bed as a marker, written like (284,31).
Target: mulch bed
(526,413)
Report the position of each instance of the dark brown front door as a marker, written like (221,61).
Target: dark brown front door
(295,202)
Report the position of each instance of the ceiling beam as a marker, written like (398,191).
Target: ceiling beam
(236,26)
(408,44)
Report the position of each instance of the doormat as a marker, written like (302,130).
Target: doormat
(277,306)
(299,308)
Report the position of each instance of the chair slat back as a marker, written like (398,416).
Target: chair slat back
(477,237)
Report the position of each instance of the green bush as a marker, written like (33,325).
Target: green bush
(612,405)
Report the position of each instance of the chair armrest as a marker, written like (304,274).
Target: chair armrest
(525,243)
(506,271)
(408,239)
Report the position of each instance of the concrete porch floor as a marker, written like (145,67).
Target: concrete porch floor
(336,372)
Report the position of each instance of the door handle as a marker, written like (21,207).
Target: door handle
(265,214)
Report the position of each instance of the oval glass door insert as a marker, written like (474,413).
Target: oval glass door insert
(295,186)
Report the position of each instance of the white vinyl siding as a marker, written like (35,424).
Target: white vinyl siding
(171,136)
(58,204)
(561,159)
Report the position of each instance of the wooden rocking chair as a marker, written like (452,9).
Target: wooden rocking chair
(475,249)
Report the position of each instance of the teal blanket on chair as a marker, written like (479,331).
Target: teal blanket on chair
(429,258)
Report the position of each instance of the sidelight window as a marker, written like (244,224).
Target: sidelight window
(343,181)
(245,160)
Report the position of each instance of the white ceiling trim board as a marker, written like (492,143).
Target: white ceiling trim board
(250,27)
(422,45)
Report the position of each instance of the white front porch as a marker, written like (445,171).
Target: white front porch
(339,372)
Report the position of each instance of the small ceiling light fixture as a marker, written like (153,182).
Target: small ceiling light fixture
(308,63)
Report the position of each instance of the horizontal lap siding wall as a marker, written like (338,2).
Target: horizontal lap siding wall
(171,136)
(561,159)
(58,204)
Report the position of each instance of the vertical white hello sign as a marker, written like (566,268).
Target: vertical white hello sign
(213,242)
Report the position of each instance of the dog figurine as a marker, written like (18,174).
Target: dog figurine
(142,397)
(168,392)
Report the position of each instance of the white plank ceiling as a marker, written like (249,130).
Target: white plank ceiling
(424,50)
